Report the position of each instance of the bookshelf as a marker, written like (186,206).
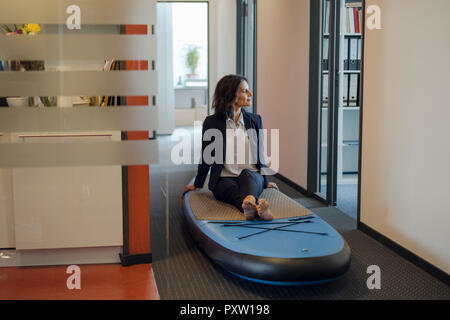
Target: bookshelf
(349,89)
(350,43)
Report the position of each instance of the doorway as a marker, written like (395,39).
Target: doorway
(335,105)
(183,61)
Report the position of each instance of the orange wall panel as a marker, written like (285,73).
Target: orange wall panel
(136,29)
(138,176)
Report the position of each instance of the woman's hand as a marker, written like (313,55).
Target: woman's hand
(272,185)
(189,187)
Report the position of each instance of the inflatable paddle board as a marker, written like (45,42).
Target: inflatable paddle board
(296,248)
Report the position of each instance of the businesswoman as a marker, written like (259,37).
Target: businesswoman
(239,183)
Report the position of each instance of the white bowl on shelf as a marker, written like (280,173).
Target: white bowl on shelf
(18,101)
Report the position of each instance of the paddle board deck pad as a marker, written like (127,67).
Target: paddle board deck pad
(303,250)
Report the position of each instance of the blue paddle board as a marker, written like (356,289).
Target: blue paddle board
(302,250)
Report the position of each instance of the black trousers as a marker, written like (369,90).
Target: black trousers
(233,190)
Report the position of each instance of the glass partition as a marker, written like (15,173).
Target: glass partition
(78,113)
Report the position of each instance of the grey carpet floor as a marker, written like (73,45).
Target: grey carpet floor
(347,198)
(182,271)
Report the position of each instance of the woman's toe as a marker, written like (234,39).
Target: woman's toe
(249,207)
(263,210)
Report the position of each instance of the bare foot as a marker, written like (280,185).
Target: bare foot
(249,206)
(263,210)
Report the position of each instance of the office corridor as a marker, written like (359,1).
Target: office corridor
(182,271)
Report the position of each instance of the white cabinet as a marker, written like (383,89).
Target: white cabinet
(66,207)
(348,140)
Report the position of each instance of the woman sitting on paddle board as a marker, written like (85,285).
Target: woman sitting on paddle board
(231,181)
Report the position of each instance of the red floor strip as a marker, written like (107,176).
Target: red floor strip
(98,282)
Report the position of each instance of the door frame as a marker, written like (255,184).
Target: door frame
(245,31)
(314,143)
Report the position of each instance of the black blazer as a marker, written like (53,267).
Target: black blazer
(251,121)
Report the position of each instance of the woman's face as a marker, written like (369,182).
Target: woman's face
(244,96)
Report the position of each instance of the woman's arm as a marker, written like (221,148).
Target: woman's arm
(261,152)
(203,168)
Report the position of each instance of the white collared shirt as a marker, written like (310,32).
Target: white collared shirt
(241,149)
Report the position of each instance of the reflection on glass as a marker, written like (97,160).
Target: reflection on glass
(69,172)
(66,50)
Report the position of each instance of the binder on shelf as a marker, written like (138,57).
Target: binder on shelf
(325,54)
(358,90)
(345,89)
(353,92)
(326,24)
(351,21)
(348,19)
(356,20)
(324,90)
(359,20)
(359,54)
(346,53)
(353,54)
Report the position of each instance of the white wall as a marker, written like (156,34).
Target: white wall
(225,34)
(282,80)
(222,41)
(406,133)
(166,98)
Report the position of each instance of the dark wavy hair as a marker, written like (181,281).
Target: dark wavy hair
(225,95)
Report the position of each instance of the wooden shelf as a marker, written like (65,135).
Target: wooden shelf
(345,71)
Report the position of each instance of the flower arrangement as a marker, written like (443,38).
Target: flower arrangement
(27,28)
